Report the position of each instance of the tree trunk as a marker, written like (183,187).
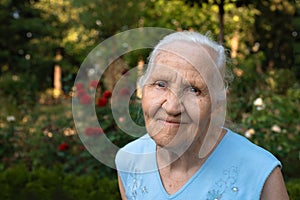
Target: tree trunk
(221,21)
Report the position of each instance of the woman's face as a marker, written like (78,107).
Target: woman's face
(176,102)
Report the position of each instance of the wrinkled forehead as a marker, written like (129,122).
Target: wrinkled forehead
(201,57)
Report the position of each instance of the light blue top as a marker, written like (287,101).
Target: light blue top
(236,169)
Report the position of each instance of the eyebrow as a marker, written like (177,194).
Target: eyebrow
(200,85)
(197,80)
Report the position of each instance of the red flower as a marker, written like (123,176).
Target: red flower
(125,91)
(63,147)
(81,148)
(90,131)
(107,94)
(79,86)
(85,99)
(102,102)
(80,92)
(94,83)
(98,131)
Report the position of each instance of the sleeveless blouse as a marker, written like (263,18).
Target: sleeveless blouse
(236,169)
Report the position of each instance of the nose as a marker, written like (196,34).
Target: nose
(172,104)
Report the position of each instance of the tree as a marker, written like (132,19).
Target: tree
(273,30)
(107,18)
(221,12)
(26,46)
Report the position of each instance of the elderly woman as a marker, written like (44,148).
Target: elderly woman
(187,153)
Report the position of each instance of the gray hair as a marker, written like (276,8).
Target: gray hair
(194,37)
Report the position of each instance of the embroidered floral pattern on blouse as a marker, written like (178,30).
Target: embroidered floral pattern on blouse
(136,188)
(227,183)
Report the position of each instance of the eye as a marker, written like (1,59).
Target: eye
(194,90)
(160,84)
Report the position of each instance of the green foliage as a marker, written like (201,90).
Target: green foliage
(177,15)
(20,89)
(293,188)
(35,140)
(46,137)
(32,31)
(42,183)
(25,41)
(116,15)
(278,51)
(31,34)
(265,108)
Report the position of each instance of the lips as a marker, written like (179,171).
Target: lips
(174,122)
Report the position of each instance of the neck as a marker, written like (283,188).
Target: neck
(172,161)
(189,160)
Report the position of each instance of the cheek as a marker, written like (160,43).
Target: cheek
(150,106)
(150,102)
(198,110)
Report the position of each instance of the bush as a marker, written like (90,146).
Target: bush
(293,188)
(22,184)
(20,90)
(19,183)
(265,109)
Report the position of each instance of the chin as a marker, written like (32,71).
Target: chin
(161,141)
(175,144)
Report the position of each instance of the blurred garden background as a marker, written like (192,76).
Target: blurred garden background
(44,42)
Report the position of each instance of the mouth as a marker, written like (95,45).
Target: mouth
(170,122)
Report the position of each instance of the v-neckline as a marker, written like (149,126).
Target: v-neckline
(196,174)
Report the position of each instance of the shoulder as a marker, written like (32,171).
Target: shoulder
(136,165)
(254,163)
(137,156)
(248,151)
(140,145)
